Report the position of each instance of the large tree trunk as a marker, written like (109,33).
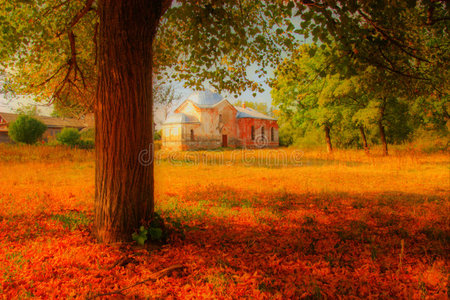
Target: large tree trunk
(124,122)
(381,128)
(328,139)
(363,136)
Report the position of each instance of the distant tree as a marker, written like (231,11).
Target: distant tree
(287,131)
(381,101)
(258,106)
(299,89)
(29,110)
(69,136)
(164,99)
(26,129)
(320,86)
(432,113)
(65,109)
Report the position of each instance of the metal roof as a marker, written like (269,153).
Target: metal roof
(251,113)
(205,98)
(49,121)
(180,118)
(209,99)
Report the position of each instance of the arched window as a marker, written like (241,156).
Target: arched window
(262,131)
(192,134)
(253,133)
(272,138)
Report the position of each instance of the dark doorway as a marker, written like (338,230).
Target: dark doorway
(224,140)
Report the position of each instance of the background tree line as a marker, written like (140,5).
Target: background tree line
(325,97)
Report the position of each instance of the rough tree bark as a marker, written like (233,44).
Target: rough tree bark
(328,139)
(124,122)
(363,136)
(381,128)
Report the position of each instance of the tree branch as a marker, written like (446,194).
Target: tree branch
(51,77)
(95,42)
(155,276)
(386,58)
(63,83)
(72,62)
(311,3)
(77,17)
(392,70)
(73,51)
(55,7)
(390,38)
(81,13)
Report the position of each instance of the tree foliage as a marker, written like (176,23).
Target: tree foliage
(299,90)
(26,129)
(30,110)
(313,90)
(406,38)
(216,42)
(49,47)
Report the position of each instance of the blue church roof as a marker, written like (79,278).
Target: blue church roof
(250,113)
(205,98)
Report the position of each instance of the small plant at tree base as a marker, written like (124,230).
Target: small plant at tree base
(69,136)
(26,129)
(141,236)
(154,231)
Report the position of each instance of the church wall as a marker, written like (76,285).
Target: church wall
(261,138)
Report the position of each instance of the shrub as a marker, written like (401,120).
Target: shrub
(157,135)
(69,137)
(86,144)
(88,134)
(26,129)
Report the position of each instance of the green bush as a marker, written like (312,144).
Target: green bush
(26,129)
(157,135)
(88,134)
(69,136)
(86,144)
(286,134)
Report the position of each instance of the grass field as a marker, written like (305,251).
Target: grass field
(245,224)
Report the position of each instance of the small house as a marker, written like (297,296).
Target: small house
(206,120)
(54,125)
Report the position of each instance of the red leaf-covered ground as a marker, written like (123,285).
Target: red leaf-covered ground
(347,226)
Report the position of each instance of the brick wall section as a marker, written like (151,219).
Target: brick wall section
(4,137)
(260,140)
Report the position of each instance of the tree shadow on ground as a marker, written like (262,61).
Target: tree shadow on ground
(326,243)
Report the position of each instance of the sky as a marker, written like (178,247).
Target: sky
(12,103)
(264,97)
